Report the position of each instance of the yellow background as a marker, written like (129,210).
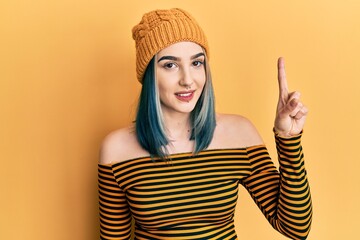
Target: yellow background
(67,72)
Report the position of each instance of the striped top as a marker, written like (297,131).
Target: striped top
(194,196)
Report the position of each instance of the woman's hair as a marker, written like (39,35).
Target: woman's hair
(150,128)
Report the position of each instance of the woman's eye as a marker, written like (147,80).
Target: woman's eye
(197,63)
(169,65)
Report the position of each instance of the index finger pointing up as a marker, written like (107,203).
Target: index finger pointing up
(283,87)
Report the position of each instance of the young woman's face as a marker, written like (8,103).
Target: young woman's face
(181,77)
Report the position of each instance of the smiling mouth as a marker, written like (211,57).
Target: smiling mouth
(185,96)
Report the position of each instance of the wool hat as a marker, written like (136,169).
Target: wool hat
(160,28)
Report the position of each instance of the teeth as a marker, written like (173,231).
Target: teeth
(184,94)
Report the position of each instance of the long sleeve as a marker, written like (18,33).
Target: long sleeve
(115,216)
(284,196)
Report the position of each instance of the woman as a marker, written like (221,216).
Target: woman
(176,170)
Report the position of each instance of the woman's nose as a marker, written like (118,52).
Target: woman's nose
(186,78)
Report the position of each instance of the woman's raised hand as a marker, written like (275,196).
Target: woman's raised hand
(291,112)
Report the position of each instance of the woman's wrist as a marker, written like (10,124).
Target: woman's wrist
(283,134)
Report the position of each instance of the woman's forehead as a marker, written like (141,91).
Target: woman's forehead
(181,49)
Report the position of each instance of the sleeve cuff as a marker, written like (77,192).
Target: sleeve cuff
(296,136)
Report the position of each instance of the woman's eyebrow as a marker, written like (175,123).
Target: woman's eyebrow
(177,59)
(168,58)
(197,55)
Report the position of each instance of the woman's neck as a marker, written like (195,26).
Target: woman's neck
(178,126)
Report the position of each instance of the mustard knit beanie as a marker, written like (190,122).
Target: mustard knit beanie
(161,28)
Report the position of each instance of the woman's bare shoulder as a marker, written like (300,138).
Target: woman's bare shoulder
(235,131)
(120,145)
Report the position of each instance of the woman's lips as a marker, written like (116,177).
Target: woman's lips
(185,96)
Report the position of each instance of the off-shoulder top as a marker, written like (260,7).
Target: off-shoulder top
(194,196)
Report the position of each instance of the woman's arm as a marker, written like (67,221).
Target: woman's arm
(115,216)
(284,198)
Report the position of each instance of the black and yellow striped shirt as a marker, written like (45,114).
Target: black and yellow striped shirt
(194,196)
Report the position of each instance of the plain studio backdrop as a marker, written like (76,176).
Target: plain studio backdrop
(67,78)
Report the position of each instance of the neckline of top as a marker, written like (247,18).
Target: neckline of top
(182,154)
